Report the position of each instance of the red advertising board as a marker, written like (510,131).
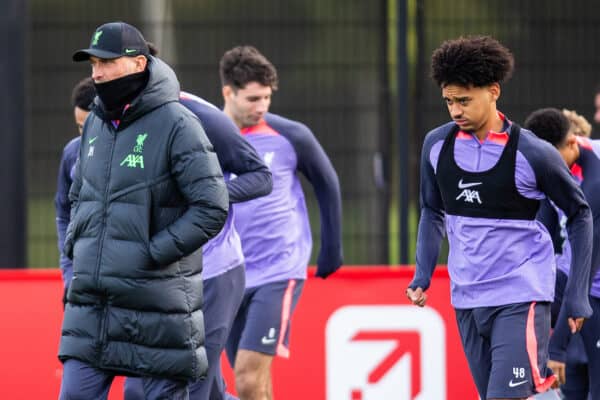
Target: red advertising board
(354,337)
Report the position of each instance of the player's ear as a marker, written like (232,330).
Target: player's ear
(140,63)
(572,141)
(494,90)
(226,91)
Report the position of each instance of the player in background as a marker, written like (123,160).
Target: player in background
(579,126)
(82,98)
(275,231)
(572,374)
(223,272)
(583,158)
(482,178)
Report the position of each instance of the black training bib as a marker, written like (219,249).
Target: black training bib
(486,194)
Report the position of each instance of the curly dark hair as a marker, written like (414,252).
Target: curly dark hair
(83,94)
(549,124)
(244,64)
(475,60)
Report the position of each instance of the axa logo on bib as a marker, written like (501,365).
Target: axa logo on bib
(377,352)
(469,195)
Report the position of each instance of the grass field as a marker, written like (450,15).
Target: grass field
(42,248)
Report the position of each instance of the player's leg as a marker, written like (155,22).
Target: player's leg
(252,370)
(237,328)
(151,388)
(519,342)
(590,333)
(82,382)
(265,334)
(270,388)
(222,297)
(133,389)
(576,386)
(476,346)
(159,389)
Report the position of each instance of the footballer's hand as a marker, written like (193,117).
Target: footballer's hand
(558,369)
(417,296)
(575,324)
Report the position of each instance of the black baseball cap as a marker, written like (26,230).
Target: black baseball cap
(114,40)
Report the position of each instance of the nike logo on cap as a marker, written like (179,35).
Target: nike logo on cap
(515,384)
(462,185)
(129,51)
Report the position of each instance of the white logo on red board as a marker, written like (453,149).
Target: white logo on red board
(386,352)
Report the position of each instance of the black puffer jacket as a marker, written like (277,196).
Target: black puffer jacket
(146,197)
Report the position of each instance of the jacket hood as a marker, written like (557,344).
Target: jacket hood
(162,88)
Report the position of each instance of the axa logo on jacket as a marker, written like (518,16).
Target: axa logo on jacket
(136,159)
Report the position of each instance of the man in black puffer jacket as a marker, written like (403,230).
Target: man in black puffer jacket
(148,192)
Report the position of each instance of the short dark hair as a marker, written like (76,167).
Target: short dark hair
(474,60)
(549,124)
(244,64)
(83,94)
(152,49)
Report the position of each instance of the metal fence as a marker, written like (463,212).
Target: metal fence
(330,57)
(337,75)
(555,45)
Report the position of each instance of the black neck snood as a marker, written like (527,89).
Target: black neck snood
(119,92)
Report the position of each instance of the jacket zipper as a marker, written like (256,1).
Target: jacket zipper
(479,151)
(103,327)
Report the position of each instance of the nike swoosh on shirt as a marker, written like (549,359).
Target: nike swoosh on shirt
(462,185)
(92,140)
(515,384)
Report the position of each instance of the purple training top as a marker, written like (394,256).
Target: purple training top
(274,229)
(494,262)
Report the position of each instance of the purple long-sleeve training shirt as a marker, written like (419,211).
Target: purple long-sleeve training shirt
(494,262)
(274,229)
